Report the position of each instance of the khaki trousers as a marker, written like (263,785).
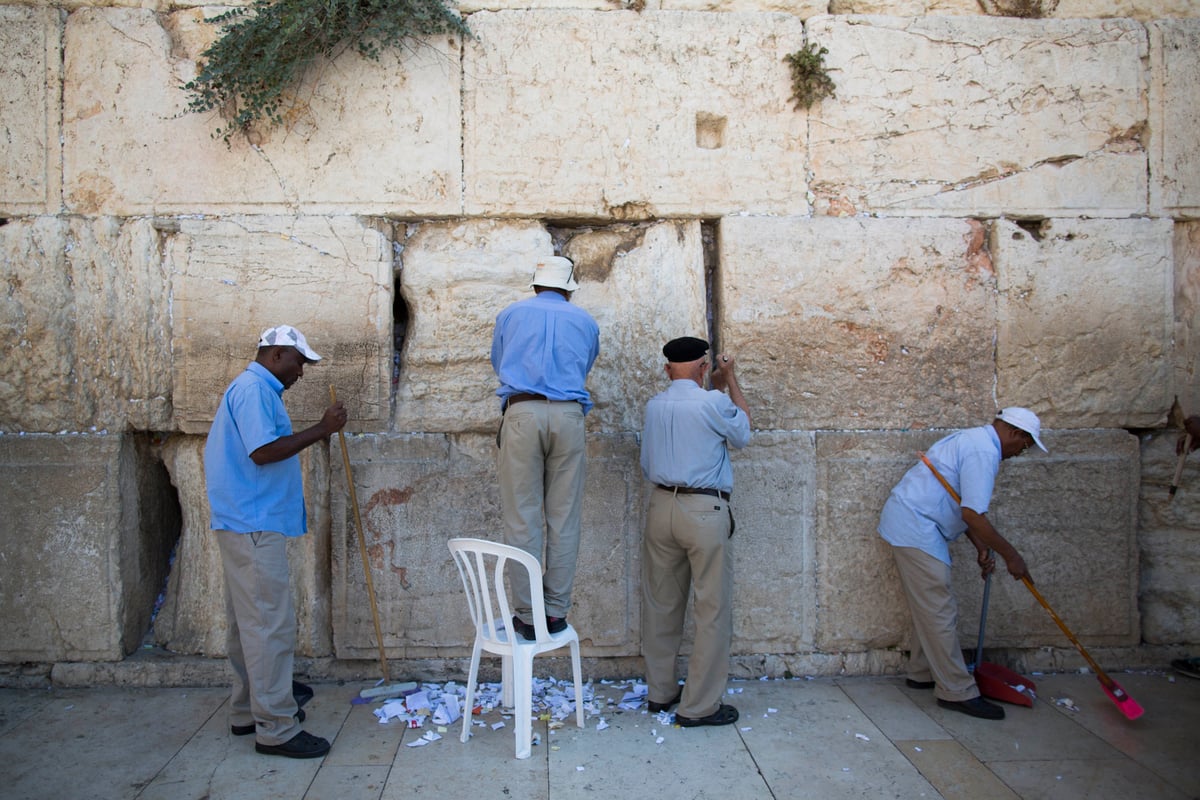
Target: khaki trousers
(936,654)
(542,467)
(686,547)
(262,633)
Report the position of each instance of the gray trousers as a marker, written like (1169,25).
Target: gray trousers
(935,653)
(542,467)
(262,633)
(686,547)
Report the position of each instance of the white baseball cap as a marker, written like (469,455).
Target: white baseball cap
(287,336)
(1024,419)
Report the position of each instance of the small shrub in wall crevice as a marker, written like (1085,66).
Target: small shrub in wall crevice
(267,48)
(810,79)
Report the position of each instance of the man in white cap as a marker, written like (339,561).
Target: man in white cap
(919,520)
(252,469)
(543,348)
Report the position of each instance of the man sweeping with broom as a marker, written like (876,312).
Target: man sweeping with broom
(921,518)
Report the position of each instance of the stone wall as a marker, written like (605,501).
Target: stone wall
(995,209)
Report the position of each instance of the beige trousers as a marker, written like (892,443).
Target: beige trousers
(542,466)
(262,633)
(687,548)
(936,654)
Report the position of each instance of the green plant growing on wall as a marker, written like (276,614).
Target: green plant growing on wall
(267,49)
(810,79)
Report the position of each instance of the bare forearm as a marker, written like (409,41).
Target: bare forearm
(331,422)
(985,537)
(288,446)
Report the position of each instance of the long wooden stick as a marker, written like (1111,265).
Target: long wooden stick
(362,546)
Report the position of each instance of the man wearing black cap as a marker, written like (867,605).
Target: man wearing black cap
(686,546)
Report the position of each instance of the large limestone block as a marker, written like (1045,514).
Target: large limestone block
(641,115)
(30,71)
(416,492)
(1169,542)
(193,619)
(84,546)
(364,136)
(980,116)
(1143,10)
(860,602)
(1071,514)
(1085,320)
(904,8)
(1175,116)
(859,323)
(331,277)
(85,326)
(1187,316)
(775,601)
(644,284)
(800,8)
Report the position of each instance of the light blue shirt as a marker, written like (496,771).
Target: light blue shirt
(920,512)
(243,496)
(544,345)
(687,435)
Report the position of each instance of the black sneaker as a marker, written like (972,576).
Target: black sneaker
(246,730)
(528,633)
(1187,666)
(724,715)
(556,624)
(975,707)
(302,745)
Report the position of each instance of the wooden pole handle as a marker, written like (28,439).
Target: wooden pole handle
(362,545)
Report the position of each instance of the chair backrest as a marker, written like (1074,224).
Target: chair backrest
(481,566)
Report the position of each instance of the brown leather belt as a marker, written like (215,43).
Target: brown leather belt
(693,490)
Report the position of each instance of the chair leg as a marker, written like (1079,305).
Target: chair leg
(472,675)
(523,710)
(578,682)
(506,682)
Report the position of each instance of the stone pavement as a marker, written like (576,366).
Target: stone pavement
(820,738)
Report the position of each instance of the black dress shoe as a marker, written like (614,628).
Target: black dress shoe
(302,745)
(724,715)
(556,624)
(246,730)
(527,631)
(655,708)
(910,683)
(975,707)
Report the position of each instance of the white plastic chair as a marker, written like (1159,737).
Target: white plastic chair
(481,565)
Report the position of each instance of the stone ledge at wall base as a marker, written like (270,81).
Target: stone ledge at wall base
(167,671)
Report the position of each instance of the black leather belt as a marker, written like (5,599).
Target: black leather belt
(521,397)
(693,490)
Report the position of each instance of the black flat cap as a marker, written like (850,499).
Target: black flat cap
(685,348)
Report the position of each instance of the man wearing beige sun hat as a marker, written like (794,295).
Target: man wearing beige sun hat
(543,348)
(919,520)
